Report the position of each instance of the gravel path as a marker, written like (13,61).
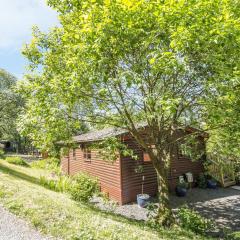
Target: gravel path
(13,228)
(221,204)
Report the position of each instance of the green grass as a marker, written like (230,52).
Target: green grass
(57,215)
(17,161)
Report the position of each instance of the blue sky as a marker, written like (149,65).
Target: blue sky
(16,20)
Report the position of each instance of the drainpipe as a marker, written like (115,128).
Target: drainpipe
(68,170)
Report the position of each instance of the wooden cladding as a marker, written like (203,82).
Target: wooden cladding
(132,181)
(119,179)
(107,173)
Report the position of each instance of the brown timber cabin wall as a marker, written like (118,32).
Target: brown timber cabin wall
(108,174)
(119,180)
(132,181)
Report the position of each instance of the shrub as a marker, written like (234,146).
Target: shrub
(233,236)
(83,187)
(151,215)
(17,161)
(61,184)
(48,163)
(202,181)
(2,156)
(191,220)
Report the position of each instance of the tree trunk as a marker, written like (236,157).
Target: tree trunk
(164,216)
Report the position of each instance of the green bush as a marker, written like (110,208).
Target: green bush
(233,236)
(191,220)
(84,187)
(60,184)
(202,181)
(17,161)
(2,156)
(48,163)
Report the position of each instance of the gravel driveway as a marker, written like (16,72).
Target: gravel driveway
(13,228)
(221,204)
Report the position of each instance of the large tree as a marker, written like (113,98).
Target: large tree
(10,106)
(45,120)
(124,62)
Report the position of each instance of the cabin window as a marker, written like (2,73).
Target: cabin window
(87,154)
(146,157)
(74,154)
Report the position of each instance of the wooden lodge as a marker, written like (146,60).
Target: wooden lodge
(119,179)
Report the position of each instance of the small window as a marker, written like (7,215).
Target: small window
(87,154)
(146,157)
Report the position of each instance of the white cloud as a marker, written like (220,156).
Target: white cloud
(17,18)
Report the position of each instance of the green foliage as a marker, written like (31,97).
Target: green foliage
(55,214)
(2,154)
(2,192)
(83,187)
(59,184)
(202,180)
(121,63)
(139,168)
(45,120)
(192,147)
(238,177)
(111,148)
(17,161)
(151,214)
(233,236)
(191,220)
(182,184)
(48,164)
(11,104)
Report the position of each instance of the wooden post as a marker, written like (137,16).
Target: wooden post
(142,183)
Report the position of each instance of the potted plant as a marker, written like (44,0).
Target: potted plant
(143,199)
(181,188)
(211,183)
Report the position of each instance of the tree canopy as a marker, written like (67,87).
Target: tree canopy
(163,63)
(10,106)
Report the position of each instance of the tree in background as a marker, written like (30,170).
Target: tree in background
(11,104)
(122,63)
(224,122)
(45,120)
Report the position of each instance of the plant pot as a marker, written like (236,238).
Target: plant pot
(143,200)
(181,192)
(211,184)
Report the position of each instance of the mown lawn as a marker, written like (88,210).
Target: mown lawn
(57,215)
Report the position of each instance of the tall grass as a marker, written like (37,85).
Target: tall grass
(59,184)
(17,161)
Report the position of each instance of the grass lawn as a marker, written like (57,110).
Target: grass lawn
(57,215)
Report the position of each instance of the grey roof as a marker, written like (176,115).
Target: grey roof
(97,135)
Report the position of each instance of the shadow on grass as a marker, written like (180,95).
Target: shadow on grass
(19,174)
(106,214)
(171,233)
